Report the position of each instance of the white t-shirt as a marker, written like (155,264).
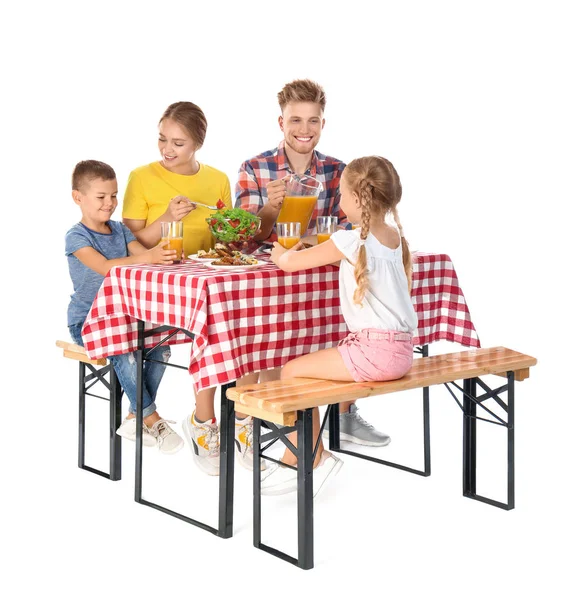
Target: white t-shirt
(387,304)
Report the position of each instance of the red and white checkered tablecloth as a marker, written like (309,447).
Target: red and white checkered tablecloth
(246,321)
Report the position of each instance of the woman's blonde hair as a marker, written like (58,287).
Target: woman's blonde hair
(190,117)
(377,185)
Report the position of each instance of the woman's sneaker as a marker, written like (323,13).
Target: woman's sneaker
(168,440)
(244,443)
(205,438)
(353,428)
(127,431)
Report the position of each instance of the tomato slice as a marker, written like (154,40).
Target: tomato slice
(220,204)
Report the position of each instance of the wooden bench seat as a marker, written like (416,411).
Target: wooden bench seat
(76,352)
(286,406)
(278,401)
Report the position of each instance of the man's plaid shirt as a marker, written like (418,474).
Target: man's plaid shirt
(255,174)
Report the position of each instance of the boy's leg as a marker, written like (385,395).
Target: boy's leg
(154,371)
(125,366)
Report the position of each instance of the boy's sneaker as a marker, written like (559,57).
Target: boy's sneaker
(205,438)
(353,428)
(244,443)
(168,440)
(127,431)
(282,480)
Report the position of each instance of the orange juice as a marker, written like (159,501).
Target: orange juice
(298,209)
(323,237)
(288,241)
(174,244)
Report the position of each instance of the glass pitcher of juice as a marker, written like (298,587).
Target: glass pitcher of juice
(302,193)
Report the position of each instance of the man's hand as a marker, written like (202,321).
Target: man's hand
(276,191)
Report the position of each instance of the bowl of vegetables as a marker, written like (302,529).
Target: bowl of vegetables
(233,226)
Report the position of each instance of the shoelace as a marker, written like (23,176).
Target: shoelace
(211,436)
(162,429)
(361,420)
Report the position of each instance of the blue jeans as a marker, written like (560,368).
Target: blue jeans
(125,367)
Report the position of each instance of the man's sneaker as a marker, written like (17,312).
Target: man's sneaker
(127,431)
(168,440)
(244,443)
(282,480)
(353,428)
(205,438)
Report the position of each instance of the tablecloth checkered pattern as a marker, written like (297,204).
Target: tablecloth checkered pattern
(249,320)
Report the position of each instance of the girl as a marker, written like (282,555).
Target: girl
(163,191)
(374,290)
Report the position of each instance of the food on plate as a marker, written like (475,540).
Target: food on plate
(233,224)
(207,254)
(232,258)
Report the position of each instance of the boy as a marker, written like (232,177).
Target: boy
(93,246)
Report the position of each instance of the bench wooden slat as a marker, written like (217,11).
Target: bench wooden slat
(76,352)
(280,397)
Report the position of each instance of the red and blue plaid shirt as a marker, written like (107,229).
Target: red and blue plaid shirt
(255,173)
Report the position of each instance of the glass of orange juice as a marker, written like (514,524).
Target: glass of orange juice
(288,234)
(325,226)
(302,193)
(171,234)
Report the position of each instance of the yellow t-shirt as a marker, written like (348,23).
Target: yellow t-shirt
(151,187)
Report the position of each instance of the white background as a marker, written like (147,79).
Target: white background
(465,98)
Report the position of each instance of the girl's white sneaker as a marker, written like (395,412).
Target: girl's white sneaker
(127,431)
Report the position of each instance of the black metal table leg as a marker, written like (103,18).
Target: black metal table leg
(227,432)
(305,490)
(469,438)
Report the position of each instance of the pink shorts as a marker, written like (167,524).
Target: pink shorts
(377,354)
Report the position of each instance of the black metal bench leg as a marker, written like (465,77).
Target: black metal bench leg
(510,441)
(227,452)
(115,421)
(305,490)
(81,413)
(257,483)
(469,439)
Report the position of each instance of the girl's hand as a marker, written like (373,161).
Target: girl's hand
(178,208)
(278,251)
(160,256)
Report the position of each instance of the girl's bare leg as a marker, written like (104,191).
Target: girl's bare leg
(325,364)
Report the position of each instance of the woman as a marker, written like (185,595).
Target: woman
(163,191)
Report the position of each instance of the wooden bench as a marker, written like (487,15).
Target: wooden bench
(286,406)
(100,372)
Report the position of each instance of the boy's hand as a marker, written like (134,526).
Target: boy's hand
(276,191)
(178,208)
(160,256)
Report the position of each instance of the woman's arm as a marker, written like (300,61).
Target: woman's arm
(89,257)
(296,259)
(150,235)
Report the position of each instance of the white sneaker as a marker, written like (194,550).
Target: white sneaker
(205,438)
(282,480)
(244,443)
(168,440)
(127,431)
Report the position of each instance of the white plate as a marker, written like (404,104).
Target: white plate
(236,267)
(197,258)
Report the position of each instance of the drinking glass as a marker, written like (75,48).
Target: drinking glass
(288,234)
(325,226)
(171,233)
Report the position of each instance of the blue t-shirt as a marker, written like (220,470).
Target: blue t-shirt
(87,282)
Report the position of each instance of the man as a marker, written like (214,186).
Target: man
(260,189)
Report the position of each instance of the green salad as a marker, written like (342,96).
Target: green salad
(233,225)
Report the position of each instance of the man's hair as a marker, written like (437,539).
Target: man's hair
(191,118)
(88,170)
(302,90)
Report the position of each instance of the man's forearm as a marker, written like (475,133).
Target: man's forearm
(268,216)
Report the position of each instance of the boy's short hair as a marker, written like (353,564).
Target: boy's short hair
(302,90)
(88,170)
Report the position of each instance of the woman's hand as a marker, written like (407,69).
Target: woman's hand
(178,208)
